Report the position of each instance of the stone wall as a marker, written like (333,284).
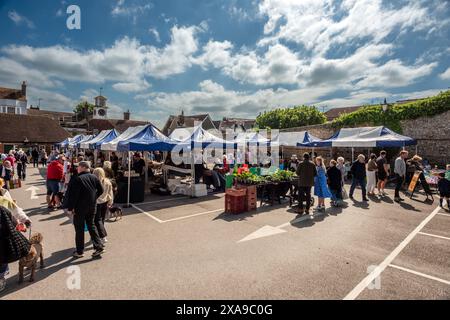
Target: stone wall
(432,135)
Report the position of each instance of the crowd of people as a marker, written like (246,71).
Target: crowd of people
(86,192)
(371,176)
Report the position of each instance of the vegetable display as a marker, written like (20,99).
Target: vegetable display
(248,178)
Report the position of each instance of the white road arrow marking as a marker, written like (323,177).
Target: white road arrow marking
(267,231)
(33,190)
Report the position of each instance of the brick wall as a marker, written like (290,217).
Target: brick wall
(432,135)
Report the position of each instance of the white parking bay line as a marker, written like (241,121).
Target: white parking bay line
(444,214)
(164,200)
(192,215)
(147,214)
(380,268)
(433,235)
(420,274)
(174,219)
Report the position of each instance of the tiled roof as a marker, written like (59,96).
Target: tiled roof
(12,94)
(120,125)
(37,129)
(230,123)
(189,121)
(336,112)
(52,114)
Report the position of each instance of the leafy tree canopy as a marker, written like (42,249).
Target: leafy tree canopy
(290,117)
(79,107)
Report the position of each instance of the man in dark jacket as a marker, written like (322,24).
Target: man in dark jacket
(81,201)
(306,171)
(358,171)
(35,156)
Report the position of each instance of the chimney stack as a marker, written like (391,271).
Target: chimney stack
(24,88)
(126,115)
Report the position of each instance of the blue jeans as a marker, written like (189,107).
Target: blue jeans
(361,182)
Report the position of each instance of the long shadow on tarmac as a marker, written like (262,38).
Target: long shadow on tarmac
(318,217)
(57,261)
(171,202)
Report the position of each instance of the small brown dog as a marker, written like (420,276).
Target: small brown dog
(30,261)
(115,212)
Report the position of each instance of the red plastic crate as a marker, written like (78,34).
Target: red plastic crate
(235,203)
(251,191)
(236,192)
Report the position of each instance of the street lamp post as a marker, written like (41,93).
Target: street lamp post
(385,108)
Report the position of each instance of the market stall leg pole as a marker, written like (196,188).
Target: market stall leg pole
(146,157)
(129,178)
(164,170)
(353,154)
(416,148)
(193,173)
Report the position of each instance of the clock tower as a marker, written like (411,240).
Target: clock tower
(100,108)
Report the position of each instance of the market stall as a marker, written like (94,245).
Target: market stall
(65,143)
(364,137)
(293,139)
(147,138)
(112,144)
(77,144)
(72,143)
(96,141)
(199,146)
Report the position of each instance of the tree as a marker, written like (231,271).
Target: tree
(82,105)
(83,109)
(290,117)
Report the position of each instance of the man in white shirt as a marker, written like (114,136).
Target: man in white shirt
(400,173)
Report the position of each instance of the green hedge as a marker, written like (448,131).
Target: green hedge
(374,115)
(290,117)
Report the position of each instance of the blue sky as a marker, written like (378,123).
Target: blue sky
(227,58)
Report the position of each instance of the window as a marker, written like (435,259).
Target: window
(11,110)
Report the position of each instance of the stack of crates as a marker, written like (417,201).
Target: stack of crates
(251,198)
(235,201)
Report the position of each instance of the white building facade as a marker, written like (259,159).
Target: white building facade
(14,101)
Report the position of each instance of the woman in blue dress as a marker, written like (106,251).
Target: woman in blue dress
(320,184)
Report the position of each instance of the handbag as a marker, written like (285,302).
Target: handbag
(17,183)
(344,193)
